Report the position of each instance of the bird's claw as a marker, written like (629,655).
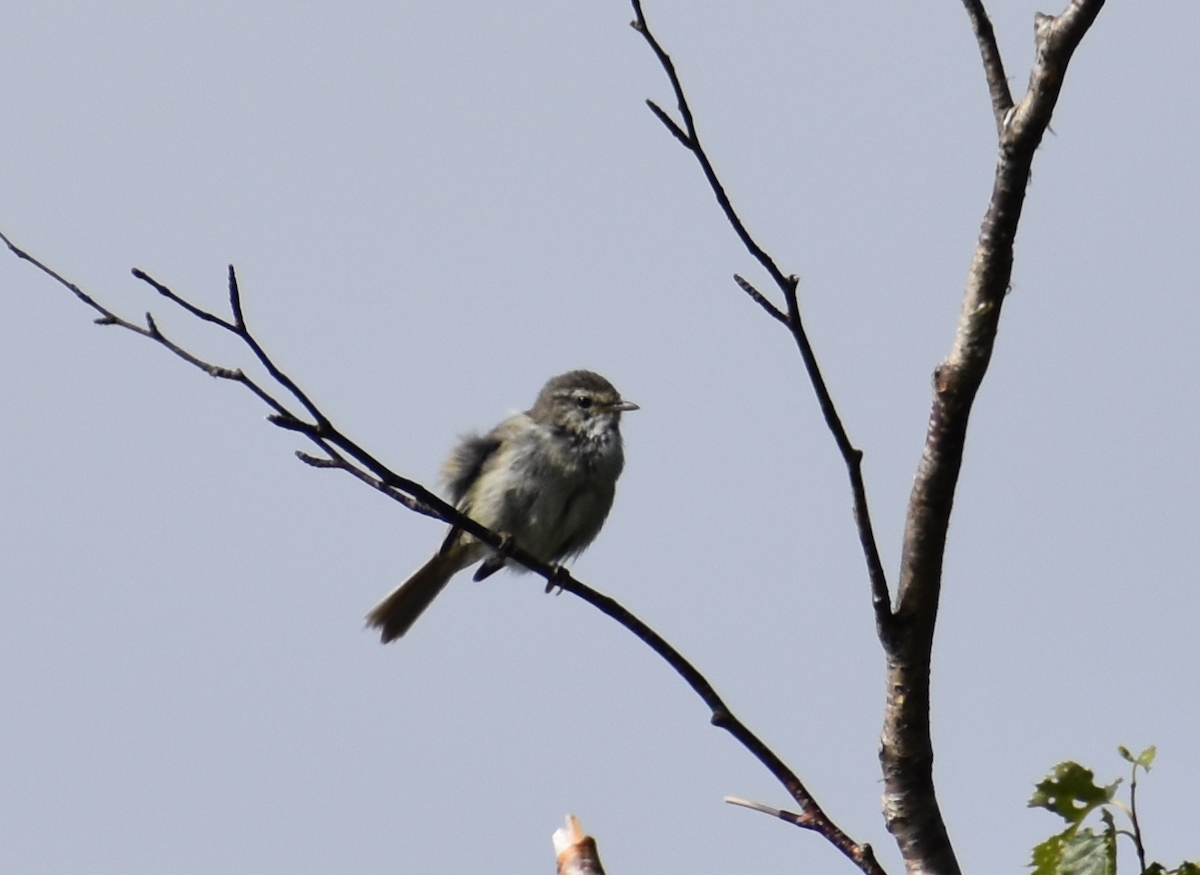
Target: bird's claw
(555,581)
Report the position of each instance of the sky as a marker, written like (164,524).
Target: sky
(432,209)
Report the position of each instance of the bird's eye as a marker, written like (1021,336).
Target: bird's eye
(584,401)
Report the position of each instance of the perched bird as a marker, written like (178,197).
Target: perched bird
(545,478)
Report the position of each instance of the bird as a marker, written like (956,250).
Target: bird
(544,478)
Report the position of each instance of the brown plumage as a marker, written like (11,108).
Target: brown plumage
(545,477)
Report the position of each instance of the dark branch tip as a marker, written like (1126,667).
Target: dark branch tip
(675,129)
(289,422)
(317,461)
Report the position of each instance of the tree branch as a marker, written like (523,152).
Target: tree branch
(906,749)
(343,453)
(993,65)
(851,455)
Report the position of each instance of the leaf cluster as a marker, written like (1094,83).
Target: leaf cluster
(1071,792)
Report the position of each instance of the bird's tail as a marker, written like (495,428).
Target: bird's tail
(399,610)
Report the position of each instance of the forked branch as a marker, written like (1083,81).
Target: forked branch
(342,453)
(790,317)
(906,752)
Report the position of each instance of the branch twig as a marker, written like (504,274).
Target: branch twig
(993,65)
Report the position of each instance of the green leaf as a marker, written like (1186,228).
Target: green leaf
(1070,791)
(1077,852)
(1145,759)
(1047,855)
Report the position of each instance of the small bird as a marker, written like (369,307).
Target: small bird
(546,478)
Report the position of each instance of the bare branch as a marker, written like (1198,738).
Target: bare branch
(199,313)
(760,807)
(235,300)
(316,461)
(993,64)
(686,134)
(107,317)
(675,130)
(238,328)
(906,749)
(760,299)
(342,453)
(851,455)
(337,461)
(811,815)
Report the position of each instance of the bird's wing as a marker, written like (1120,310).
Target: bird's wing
(467,459)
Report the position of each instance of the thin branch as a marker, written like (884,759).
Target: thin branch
(237,328)
(993,64)
(339,462)
(1136,835)
(811,815)
(760,299)
(788,816)
(661,115)
(322,432)
(758,806)
(200,313)
(687,135)
(107,317)
(851,455)
(235,303)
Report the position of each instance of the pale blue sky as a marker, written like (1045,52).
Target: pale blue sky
(433,208)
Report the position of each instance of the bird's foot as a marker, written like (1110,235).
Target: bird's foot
(555,581)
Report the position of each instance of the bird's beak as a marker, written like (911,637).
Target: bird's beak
(623,406)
